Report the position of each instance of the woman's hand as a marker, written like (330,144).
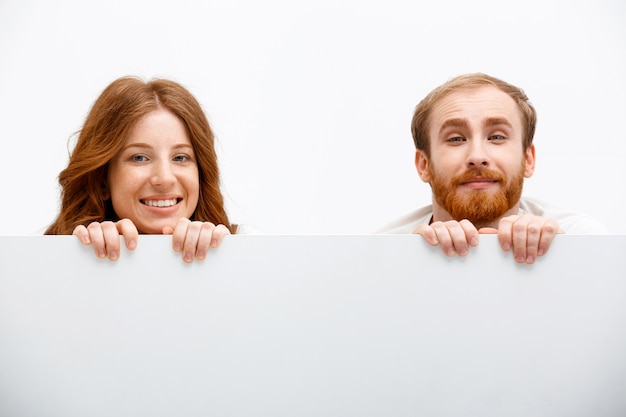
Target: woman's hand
(105,237)
(195,238)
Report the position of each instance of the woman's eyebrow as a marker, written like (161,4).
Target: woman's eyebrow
(183,145)
(137,145)
(148,146)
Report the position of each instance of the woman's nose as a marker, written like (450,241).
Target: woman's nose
(163,175)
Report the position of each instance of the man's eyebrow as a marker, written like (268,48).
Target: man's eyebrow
(493,121)
(462,123)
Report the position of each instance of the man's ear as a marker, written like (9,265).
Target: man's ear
(422,165)
(529,161)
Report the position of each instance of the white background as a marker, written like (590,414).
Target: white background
(311,102)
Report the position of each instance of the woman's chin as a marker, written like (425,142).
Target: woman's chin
(153,229)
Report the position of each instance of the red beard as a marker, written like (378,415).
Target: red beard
(481,207)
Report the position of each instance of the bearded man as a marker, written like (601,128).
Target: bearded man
(474,145)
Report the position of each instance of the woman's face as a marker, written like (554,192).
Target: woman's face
(154,179)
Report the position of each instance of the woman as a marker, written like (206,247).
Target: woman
(144,163)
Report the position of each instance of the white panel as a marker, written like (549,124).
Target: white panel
(312,326)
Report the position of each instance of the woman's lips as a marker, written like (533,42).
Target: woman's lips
(169,202)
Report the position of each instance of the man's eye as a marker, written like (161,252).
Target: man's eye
(496,137)
(456,139)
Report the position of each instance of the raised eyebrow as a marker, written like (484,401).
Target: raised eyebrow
(495,121)
(458,123)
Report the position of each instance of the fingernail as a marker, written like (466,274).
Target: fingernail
(201,254)
(113,255)
(519,259)
(530,260)
(101,253)
(506,247)
(132,244)
(177,247)
(474,241)
(188,257)
(540,252)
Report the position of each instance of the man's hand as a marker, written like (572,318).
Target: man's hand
(454,237)
(528,235)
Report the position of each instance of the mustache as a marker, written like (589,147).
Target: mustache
(472,173)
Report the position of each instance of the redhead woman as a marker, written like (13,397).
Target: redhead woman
(144,163)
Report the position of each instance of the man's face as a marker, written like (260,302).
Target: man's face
(477,163)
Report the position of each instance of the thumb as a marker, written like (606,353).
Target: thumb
(487,231)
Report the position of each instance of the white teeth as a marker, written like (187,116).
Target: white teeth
(160,203)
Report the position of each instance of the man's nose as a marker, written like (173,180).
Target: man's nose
(477,155)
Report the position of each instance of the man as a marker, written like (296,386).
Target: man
(474,146)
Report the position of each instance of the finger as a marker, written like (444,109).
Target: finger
(520,238)
(505,232)
(442,235)
(548,232)
(127,228)
(190,242)
(218,235)
(178,234)
(81,232)
(533,236)
(111,240)
(428,233)
(96,236)
(471,233)
(205,238)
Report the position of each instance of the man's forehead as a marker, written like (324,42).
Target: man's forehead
(482,103)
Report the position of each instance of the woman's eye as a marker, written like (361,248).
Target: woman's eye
(139,158)
(182,158)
